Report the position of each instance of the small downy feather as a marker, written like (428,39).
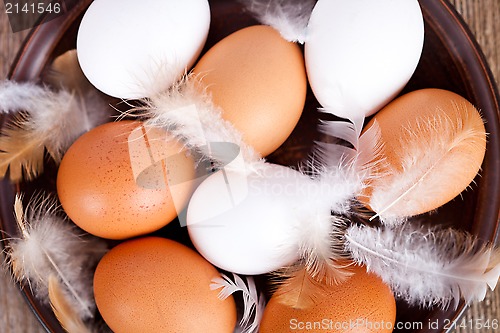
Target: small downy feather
(427,266)
(45,119)
(253,302)
(186,111)
(321,259)
(339,174)
(93,106)
(70,320)
(290,18)
(49,245)
(429,146)
(344,163)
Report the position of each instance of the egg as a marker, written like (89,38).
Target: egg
(246,223)
(121,180)
(153,284)
(361,304)
(258,80)
(360,54)
(433,144)
(133,49)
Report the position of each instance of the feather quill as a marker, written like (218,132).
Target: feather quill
(51,246)
(290,18)
(253,302)
(426,266)
(427,158)
(45,120)
(70,319)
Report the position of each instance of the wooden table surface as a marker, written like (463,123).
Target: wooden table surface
(483,17)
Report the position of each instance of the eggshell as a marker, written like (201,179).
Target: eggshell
(360,54)
(132,49)
(114,187)
(361,304)
(258,79)
(433,145)
(246,224)
(157,285)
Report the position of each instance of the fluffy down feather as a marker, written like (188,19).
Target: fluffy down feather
(44,119)
(428,157)
(187,112)
(426,266)
(290,18)
(51,246)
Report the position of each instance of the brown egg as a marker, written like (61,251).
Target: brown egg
(258,79)
(154,284)
(434,143)
(361,304)
(112,182)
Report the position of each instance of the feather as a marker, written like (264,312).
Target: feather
(46,120)
(253,303)
(426,266)
(345,168)
(50,245)
(290,18)
(295,286)
(344,144)
(186,111)
(66,74)
(321,258)
(426,157)
(70,319)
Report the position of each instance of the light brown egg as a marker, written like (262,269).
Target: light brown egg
(434,143)
(112,182)
(361,304)
(258,79)
(154,284)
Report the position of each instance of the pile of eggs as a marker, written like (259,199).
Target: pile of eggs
(357,57)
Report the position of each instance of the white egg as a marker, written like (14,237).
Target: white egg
(360,53)
(247,224)
(131,49)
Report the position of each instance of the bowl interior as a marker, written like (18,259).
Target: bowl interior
(451,60)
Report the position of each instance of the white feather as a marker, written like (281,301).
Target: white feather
(288,17)
(253,302)
(70,319)
(187,112)
(46,120)
(50,245)
(427,266)
(425,160)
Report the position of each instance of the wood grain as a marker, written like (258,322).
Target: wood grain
(483,18)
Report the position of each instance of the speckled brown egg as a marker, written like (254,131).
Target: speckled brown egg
(361,304)
(433,145)
(154,284)
(121,180)
(258,79)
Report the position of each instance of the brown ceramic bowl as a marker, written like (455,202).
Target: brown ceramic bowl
(451,60)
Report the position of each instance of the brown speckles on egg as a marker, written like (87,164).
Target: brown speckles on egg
(97,186)
(364,298)
(157,285)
